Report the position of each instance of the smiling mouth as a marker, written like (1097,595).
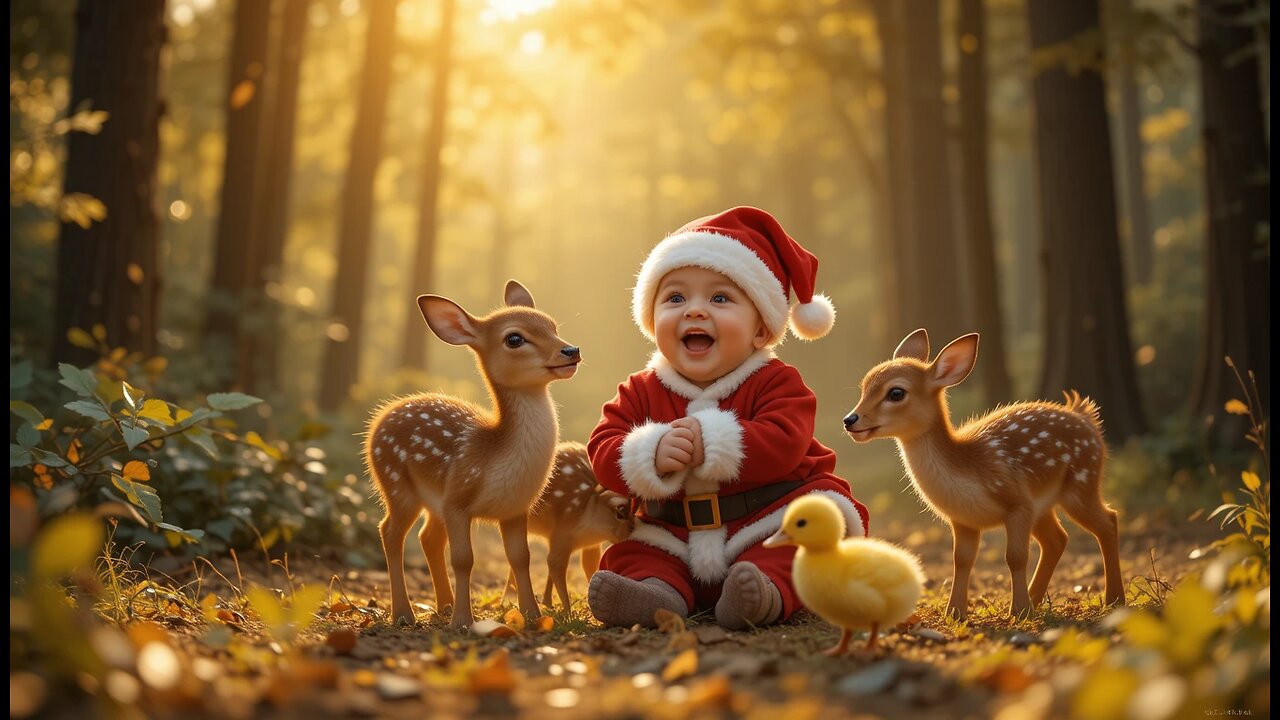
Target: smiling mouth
(566,371)
(697,342)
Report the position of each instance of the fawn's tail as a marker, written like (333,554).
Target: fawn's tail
(1085,406)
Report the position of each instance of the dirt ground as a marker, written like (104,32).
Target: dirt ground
(354,663)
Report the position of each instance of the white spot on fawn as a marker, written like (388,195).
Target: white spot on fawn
(419,457)
(1024,451)
(1043,434)
(1050,463)
(1066,457)
(437,422)
(1035,441)
(568,469)
(377,451)
(558,493)
(425,416)
(1082,475)
(1013,426)
(446,433)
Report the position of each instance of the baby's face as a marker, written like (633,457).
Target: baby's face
(705,324)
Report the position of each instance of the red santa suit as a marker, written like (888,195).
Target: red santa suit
(757,431)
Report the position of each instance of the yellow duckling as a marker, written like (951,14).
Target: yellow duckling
(855,583)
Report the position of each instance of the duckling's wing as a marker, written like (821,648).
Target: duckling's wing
(865,599)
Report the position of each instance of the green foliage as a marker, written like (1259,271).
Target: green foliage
(191,479)
(1252,543)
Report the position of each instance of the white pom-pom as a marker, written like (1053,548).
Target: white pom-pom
(812,320)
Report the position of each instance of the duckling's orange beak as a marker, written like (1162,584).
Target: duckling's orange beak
(779,539)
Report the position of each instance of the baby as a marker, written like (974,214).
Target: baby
(715,436)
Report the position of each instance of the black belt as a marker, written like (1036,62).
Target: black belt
(708,512)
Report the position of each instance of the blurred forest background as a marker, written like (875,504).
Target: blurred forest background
(211,196)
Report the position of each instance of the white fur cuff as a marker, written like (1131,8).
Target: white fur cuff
(721,445)
(637,464)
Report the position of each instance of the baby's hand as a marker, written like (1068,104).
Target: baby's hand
(674,452)
(696,428)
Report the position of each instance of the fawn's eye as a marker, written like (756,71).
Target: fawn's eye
(514,340)
(620,513)
(897,395)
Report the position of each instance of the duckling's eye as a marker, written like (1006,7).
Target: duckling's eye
(801,522)
(897,394)
(514,340)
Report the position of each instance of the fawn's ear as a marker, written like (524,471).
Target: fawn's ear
(447,320)
(516,294)
(915,345)
(956,360)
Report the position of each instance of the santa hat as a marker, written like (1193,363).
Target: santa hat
(748,246)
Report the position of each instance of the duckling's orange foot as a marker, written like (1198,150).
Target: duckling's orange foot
(839,648)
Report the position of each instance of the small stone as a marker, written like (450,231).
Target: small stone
(398,687)
(1021,639)
(931,635)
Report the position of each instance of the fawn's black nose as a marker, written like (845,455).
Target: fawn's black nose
(571,352)
(850,420)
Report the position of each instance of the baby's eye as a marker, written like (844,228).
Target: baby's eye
(675,297)
(720,298)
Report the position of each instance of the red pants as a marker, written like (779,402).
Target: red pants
(637,561)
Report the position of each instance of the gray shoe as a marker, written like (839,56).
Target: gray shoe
(623,602)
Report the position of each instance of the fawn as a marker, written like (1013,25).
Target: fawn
(457,462)
(575,513)
(1011,467)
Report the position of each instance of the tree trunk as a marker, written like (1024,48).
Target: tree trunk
(273,210)
(233,258)
(355,232)
(414,351)
(108,272)
(898,241)
(1237,182)
(1138,228)
(1086,326)
(977,202)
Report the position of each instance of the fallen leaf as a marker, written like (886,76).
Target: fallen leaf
(1007,678)
(339,607)
(491,628)
(668,622)
(342,640)
(494,675)
(546,623)
(685,640)
(514,619)
(684,665)
(714,692)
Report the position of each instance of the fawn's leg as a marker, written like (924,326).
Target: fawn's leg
(458,525)
(1093,515)
(590,560)
(1053,540)
(394,528)
(433,538)
(558,570)
(965,551)
(1017,530)
(515,538)
(506,588)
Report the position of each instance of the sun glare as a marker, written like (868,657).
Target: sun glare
(507,10)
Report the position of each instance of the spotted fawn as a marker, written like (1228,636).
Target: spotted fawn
(574,513)
(456,462)
(1013,466)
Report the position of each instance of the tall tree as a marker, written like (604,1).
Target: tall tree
(233,257)
(919,182)
(979,231)
(273,210)
(108,272)
(1133,178)
(342,351)
(1086,324)
(1237,183)
(414,350)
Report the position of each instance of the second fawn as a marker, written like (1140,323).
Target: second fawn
(1013,466)
(575,513)
(454,461)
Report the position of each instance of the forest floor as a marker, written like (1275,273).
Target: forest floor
(227,660)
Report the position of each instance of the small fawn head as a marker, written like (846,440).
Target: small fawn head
(905,397)
(622,521)
(516,346)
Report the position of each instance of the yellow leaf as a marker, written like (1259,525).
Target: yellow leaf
(668,622)
(1144,630)
(99,332)
(684,665)
(181,414)
(1251,479)
(1098,694)
(514,619)
(45,424)
(271,538)
(73,452)
(43,479)
(242,94)
(546,623)
(137,470)
(256,440)
(67,543)
(302,611)
(1235,407)
(78,337)
(270,610)
(157,410)
(135,273)
(155,365)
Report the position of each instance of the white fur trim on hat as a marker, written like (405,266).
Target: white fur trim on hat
(812,320)
(722,254)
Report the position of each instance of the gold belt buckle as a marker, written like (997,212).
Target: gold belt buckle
(711,498)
